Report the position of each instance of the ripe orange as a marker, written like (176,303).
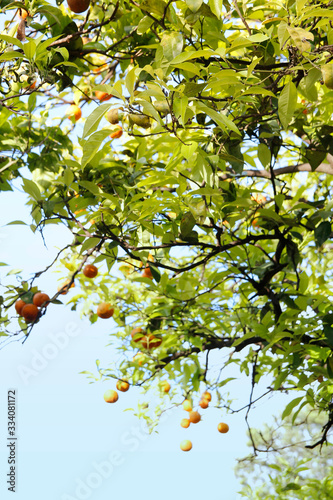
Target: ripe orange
(259,198)
(165,386)
(102,96)
(75,111)
(111,396)
(194,417)
(117,133)
(90,271)
(122,386)
(187,405)
(139,358)
(185,423)
(23,14)
(147,273)
(206,395)
(104,310)
(137,334)
(204,403)
(150,341)
(19,304)
(78,6)
(40,299)
(64,287)
(29,312)
(186,445)
(223,428)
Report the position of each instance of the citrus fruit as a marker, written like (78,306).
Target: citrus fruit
(75,111)
(90,271)
(63,289)
(104,310)
(29,312)
(146,273)
(137,334)
(223,428)
(111,396)
(206,395)
(165,386)
(122,386)
(187,405)
(194,417)
(186,445)
(185,423)
(78,6)
(117,133)
(204,403)
(19,304)
(102,96)
(41,298)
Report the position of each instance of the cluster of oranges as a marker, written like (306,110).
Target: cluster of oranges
(30,311)
(111,396)
(194,417)
(104,310)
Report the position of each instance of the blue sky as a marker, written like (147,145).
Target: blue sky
(73,445)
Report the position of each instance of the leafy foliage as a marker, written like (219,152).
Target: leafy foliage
(206,232)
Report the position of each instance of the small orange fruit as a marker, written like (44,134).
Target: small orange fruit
(194,417)
(90,271)
(64,287)
(187,405)
(102,96)
(78,6)
(165,386)
(185,423)
(104,310)
(122,386)
(75,111)
(146,273)
(186,445)
(259,198)
(223,428)
(23,14)
(19,304)
(111,396)
(139,358)
(117,133)
(207,395)
(204,403)
(150,341)
(29,312)
(137,334)
(40,299)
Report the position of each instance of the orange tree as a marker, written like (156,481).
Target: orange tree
(208,212)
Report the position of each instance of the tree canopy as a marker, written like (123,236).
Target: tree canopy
(198,180)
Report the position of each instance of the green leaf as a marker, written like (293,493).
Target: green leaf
(10,54)
(220,119)
(16,222)
(291,486)
(322,233)
(31,188)
(172,44)
(194,5)
(144,25)
(264,155)
(92,145)
(94,119)
(290,406)
(187,223)
(216,7)
(287,103)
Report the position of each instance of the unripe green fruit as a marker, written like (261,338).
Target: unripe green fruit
(327,72)
(162,107)
(113,116)
(140,120)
